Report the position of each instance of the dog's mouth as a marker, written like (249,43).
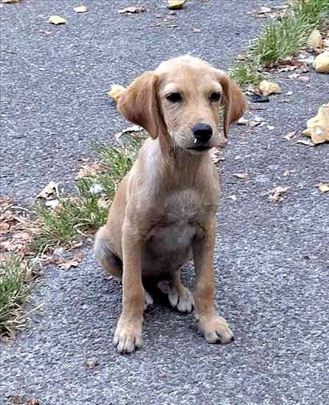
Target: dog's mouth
(200,148)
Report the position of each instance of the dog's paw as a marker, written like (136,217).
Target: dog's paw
(181,298)
(216,330)
(128,335)
(148,300)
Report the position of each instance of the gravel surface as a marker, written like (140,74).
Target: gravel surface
(272,259)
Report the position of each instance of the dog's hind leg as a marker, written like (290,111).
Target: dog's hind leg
(111,263)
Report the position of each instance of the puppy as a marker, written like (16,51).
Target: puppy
(164,211)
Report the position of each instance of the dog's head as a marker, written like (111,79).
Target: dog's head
(186,99)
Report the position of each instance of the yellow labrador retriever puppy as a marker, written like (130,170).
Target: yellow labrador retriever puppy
(164,212)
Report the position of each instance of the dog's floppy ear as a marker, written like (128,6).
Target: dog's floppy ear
(139,104)
(234,101)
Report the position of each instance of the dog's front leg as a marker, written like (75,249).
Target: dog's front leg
(128,334)
(214,328)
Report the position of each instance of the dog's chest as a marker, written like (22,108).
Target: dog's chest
(182,216)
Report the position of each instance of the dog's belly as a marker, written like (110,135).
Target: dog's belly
(167,248)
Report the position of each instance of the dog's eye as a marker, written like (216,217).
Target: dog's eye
(174,97)
(214,96)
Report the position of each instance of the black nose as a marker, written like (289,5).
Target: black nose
(202,132)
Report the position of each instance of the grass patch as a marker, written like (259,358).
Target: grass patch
(246,73)
(87,210)
(13,293)
(281,38)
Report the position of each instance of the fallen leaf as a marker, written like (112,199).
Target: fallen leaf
(267,88)
(56,20)
(264,10)
(321,62)
(80,9)
(277,194)
(103,203)
(4,227)
(176,4)
(133,10)
(91,363)
(241,175)
(318,126)
(323,187)
(89,170)
(242,121)
(306,142)
(51,188)
(290,135)
(53,204)
(10,1)
(33,401)
(287,68)
(304,78)
(315,40)
(67,264)
(116,91)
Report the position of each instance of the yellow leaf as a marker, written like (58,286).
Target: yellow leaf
(116,91)
(323,187)
(133,10)
(321,62)
(267,88)
(56,19)
(277,193)
(318,126)
(241,175)
(51,188)
(80,9)
(315,40)
(176,4)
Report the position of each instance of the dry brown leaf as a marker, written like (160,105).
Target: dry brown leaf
(290,135)
(323,187)
(53,204)
(51,188)
(133,10)
(318,126)
(315,40)
(277,194)
(91,363)
(242,176)
(56,20)
(306,142)
(80,9)
(90,169)
(116,91)
(267,88)
(176,4)
(321,62)
(67,264)
(103,203)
